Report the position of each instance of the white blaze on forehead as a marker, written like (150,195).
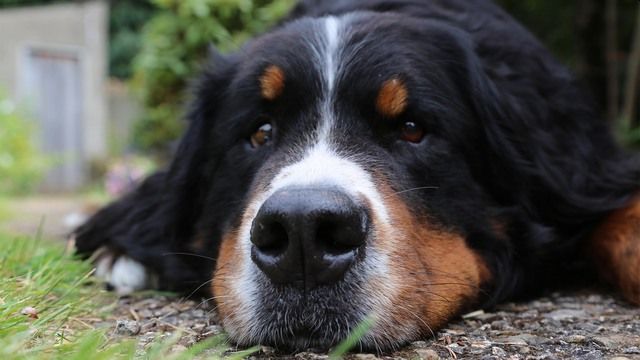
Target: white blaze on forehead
(332,28)
(326,49)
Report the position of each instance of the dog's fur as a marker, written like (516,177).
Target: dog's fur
(511,181)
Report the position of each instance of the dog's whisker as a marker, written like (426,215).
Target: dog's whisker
(200,287)
(419,318)
(190,254)
(416,189)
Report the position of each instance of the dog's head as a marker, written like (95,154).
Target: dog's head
(341,164)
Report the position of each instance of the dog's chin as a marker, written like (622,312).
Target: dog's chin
(292,320)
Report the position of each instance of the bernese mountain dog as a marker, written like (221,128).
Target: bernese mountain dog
(395,160)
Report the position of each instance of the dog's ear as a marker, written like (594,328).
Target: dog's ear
(157,218)
(548,149)
(192,165)
(548,157)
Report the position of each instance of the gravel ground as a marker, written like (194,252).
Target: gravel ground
(585,325)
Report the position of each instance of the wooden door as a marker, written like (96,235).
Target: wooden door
(53,81)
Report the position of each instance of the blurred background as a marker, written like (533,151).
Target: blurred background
(92,92)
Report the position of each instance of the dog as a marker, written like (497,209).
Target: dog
(400,161)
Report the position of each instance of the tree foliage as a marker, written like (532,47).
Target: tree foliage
(22,166)
(576,32)
(126,20)
(12,3)
(174,45)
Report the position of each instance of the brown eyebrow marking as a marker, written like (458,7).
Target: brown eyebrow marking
(272,82)
(392,98)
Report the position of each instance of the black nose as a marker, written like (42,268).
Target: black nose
(308,237)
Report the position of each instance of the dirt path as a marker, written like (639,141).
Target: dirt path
(587,325)
(56,213)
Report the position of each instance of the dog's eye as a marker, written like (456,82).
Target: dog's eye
(412,132)
(262,135)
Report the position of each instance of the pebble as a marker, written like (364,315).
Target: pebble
(127,327)
(576,339)
(565,314)
(427,354)
(365,357)
(499,325)
(518,340)
(30,311)
(607,342)
(631,350)
(498,351)
(482,344)
(592,355)
(419,344)
(456,348)
(530,313)
(311,356)
(524,350)
(214,329)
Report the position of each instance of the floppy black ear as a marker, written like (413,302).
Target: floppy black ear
(193,164)
(546,158)
(550,151)
(156,221)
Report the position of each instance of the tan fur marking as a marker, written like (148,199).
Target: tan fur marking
(442,275)
(228,269)
(615,247)
(392,98)
(272,82)
(199,242)
(500,228)
(433,274)
(225,268)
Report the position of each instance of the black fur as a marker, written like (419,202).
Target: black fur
(512,138)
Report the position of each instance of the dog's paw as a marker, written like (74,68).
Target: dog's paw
(121,273)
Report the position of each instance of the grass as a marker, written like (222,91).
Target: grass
(353,339)
(50,308)
(37,277)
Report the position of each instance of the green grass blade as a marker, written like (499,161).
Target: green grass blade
(353,339)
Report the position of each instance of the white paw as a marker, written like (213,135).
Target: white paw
(122,273)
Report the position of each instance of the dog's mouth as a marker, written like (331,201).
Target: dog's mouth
(318,319)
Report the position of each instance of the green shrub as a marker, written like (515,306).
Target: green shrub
(174,44)
(21,165)
(126,19)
